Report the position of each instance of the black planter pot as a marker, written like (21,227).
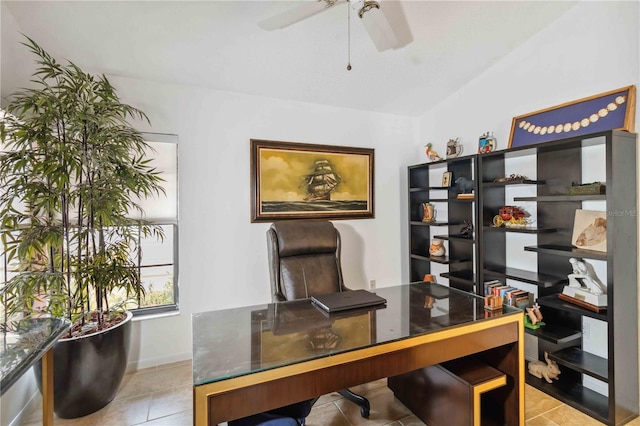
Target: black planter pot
(88,370)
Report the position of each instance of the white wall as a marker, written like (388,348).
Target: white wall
(223,257)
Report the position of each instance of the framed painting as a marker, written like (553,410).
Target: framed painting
(599,113)
(291,180)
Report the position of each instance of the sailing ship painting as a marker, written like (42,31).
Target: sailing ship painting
(308,182)
(321,181)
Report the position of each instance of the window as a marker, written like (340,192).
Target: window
(158,263)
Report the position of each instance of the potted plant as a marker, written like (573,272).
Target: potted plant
(71,172)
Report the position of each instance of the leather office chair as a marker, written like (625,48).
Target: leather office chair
(304,261)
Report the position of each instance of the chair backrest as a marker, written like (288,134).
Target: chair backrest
(304,259)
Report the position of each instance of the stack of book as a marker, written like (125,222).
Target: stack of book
(508,295)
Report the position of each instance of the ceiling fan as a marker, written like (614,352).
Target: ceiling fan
(383,20)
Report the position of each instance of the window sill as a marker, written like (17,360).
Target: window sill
(151,316)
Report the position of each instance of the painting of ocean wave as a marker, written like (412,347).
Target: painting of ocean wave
(314,206)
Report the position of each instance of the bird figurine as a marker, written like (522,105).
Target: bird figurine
(431,154)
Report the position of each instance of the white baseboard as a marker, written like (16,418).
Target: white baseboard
(22,415)
(157,361)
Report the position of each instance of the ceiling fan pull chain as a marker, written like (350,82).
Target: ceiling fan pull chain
(348,35)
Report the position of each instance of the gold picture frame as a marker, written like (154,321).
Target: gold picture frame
(291,180)
(614,109)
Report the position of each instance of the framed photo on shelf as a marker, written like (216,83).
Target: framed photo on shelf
(291,180)
(598,113)
(446,179)
(590,230)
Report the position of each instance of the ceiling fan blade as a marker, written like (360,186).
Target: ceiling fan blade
(379,29)
(386,24)
(397,19)
(298,13)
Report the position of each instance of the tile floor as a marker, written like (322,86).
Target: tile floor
(163,396)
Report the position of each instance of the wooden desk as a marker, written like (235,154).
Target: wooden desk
(250,360)
(22,344)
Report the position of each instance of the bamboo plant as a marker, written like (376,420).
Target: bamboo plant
(72,170)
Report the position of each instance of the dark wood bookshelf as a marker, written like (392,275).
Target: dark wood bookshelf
(559,165)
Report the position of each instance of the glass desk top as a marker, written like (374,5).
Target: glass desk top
(23,343)
(235,342)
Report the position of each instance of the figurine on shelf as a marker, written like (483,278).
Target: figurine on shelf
(534,314)
(584,285)
(437,248)
(511,217)
(467,230)
(428,212)
(512,177)
(486,143)
(464,185)
(431,154)
(454,148)
(547,371)
(429,278)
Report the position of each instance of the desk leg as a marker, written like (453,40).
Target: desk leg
(47,388)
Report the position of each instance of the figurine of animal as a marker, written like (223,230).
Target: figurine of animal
(467,230)
(464,185)
(547,371)
(431,154)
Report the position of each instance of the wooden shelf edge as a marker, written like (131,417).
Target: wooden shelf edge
(461,276)
(421,223)
(568,251)
(554,302)
(455,238)
(556,334)
(513,182)
(537,279)
(583,362)
(563,197)
(525,230)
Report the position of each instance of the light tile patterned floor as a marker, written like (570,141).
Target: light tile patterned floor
(163,396)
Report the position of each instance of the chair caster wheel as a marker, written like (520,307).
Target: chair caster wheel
(364,412)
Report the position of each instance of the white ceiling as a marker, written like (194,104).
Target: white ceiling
(218,44)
